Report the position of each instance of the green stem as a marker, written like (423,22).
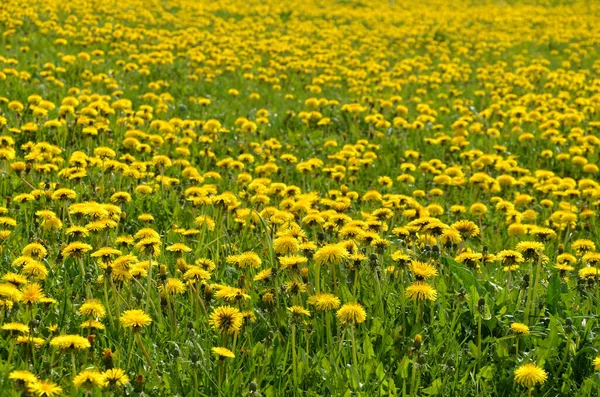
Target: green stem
(294,369)
(354,358)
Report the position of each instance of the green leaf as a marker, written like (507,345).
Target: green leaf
(403,367)
(502,349)
(464,275)
(368,348)
(553,294)
(435,387)
(474,349)
(486,372)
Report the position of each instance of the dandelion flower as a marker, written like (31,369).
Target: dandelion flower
(70,342)
(324,302)
(331,254)
(422,270)
(44,388)
(596,364)
(298,311)
(22,376)
(89,378)
(75,249)
(519,328)
(135,319)
(115,377)
(529,375)
(420,290)
(226,319)
(32,293)
(93,308)
(223,352)
(352,313)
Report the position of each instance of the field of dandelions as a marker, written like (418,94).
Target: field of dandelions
(315,198)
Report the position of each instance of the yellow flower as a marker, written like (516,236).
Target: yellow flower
(114,377)
(226,319)
(331,254)
(23,376)
(596,364)
(75,249)
(245,260)
(32,293)
(420,290)
(223,352)
(298,311)
(194,274)
(89,378)
(70,342)
(422,270)
(519,328)
(14,328)
(286,245)
(529,375)
(173,286)
(179,248)
(135,319)
(44,388)
(10,292)
(324,301)
(466,228)
(352,313)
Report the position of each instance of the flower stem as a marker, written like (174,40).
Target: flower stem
(294,362)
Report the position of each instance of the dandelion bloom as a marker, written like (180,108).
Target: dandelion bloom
(44,388)
(245,260)
(89,378)
(331,254)
(298,311)
(325,301)
(15,328)
(173,286)
(466,228)
(352,313)
(519,328)
(530,249)
(596,364)
(420,290)
(22,376)
(135,319)
(115,377)
(286,245)
(226,319)
(179,248)
(32,293)
(93,308)
(75,249)
(529,375)
(69,342)
(422,270)
(195,274)
(223,352)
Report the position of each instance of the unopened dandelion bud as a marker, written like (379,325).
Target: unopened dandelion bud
(304,272)
(107,356)
(208,292)
(181,265)
(416,345)
(139,383)
(91,338)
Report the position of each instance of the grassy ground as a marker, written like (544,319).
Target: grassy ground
(325,198)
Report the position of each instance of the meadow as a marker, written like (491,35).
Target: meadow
(316,198)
